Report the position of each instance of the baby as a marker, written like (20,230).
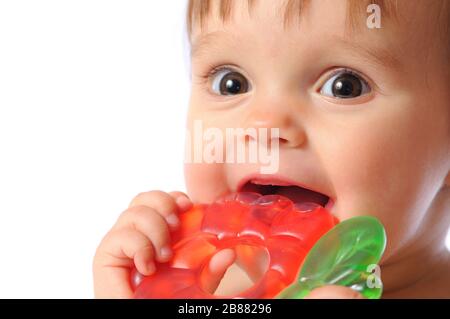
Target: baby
(360,94)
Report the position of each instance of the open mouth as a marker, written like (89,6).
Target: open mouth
(296,194)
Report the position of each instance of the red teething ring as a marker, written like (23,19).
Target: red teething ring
(273,222)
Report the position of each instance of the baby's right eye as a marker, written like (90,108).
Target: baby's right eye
(228,82)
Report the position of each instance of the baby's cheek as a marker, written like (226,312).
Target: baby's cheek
(383,175)
(205,182)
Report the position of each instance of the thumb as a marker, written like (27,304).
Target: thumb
(216,269)
(334,292)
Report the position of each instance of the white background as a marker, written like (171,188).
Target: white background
(93,97)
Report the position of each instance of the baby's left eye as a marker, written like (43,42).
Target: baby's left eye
(345,84)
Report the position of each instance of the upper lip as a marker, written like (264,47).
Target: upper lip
(277,180)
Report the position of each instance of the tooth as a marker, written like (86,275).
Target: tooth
(306,207)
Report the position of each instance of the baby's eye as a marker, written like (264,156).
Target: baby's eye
(229,82)
(345,84)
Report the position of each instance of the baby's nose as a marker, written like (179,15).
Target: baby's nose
(290,133)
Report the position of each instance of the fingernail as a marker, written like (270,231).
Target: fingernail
(166,252)
(183,202)
(173,220)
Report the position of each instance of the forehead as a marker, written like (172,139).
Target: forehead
(408,27)
(282,11)
(246,19)
(260,15)
(275,21)
(272,25)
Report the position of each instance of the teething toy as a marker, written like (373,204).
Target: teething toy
(347,256)
(287,231)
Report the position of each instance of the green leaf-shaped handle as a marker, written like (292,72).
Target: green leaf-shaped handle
(347,255)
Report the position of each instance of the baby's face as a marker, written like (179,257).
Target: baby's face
(363,118)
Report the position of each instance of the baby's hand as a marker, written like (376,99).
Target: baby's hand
(140,235)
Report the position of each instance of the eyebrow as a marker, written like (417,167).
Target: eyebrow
(378,55)
(210,40)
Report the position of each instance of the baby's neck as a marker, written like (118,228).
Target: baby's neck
(423,271)
(432,282)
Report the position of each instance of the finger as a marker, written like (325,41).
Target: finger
(216,269)
(128,247)
(334,292)
(182,200)
(254,260)
(143,260)
(160,201)
(152,225)
(116,254)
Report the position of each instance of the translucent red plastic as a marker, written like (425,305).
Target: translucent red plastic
(286,230)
